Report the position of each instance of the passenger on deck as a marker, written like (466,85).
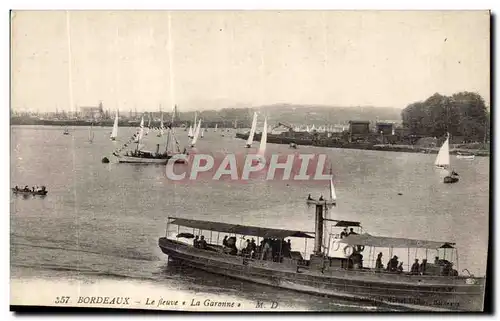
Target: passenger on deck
(321,198)
(26,189)
(344,233)
(195,241)
(202,244)
(423,267)
(392,265)
(415,267)
(400,267)
(289,245)
(436,260)
(16,188)
(378,263)
(309,197)
(224,241)
(265,249)
(352,232)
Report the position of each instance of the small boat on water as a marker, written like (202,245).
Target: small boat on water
(338,267)
(196,134)
(465,156)
(443,162)
(114,132)
(252,131)
(331,201)
(139,156)
(263,140)
(293,146)
(162,127)
(26,191)
(91,133)
(66,131)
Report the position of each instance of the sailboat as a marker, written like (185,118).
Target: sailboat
(443,162)
(66,131)
(333,196)
(263,140)
(141,132)
(149,124)
(192,128)
(114,133)
(196,134)
(443,156)
(162,127)
(215,128)
(252,131)
(140,156)
(91,133)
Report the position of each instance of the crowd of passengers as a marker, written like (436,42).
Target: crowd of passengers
(440,267)
(270,249)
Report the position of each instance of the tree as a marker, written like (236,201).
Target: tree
(463,114)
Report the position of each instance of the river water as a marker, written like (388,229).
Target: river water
(101,222)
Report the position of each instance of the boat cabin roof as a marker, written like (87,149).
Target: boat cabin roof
(382,241)
(239,229)
(347,224)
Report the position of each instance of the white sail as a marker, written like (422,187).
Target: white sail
(114,133)
(443,157)
(215,128)
(141,131)
(333,195)
(162,126)
(202,131)
(196,134)
(252,130)
(190,133)
(91,134)
(263,139)
(149,124)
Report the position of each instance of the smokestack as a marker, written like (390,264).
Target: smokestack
(319,229)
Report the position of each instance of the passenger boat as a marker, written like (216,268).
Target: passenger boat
(335,268)
(139,156)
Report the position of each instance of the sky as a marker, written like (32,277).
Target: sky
(216,59)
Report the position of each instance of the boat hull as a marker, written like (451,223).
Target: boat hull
(414,292)
(145,160)
(470,157)
(450,180)
(40,193)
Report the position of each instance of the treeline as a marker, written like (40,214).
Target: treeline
(463,115)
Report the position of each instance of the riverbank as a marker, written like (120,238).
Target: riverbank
(368,146)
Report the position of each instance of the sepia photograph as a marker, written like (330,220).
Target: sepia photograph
(250,160)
